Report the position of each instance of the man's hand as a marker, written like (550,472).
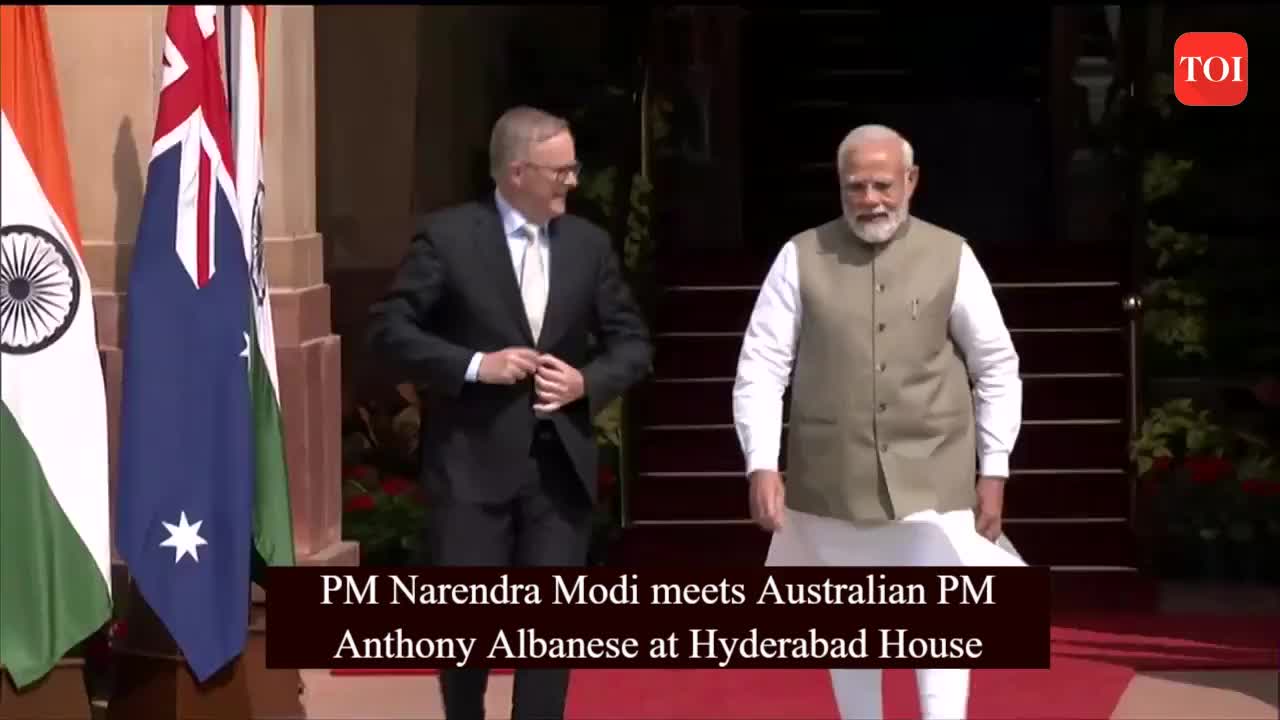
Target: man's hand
(767,499)
(990,506)
(509,366)
(557,384)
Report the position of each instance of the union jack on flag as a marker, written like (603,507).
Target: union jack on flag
(203,130)
(185,507)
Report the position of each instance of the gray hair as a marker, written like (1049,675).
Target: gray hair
(516,130)
(871,133)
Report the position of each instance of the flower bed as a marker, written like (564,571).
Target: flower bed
(1212,497)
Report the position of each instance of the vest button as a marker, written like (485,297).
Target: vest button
(881,327)
(883,367)
(880,287)
(883,407)
(884,447)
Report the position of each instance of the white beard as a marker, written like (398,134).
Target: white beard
(877,231)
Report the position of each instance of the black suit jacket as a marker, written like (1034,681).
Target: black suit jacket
(455,294)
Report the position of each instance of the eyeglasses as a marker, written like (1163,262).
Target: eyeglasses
(562,173)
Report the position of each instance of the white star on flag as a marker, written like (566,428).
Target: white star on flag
(184,539)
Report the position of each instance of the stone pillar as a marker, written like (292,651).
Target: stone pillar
(307,352)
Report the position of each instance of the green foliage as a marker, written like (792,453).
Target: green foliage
(1171,245)
(1160,94)
(1175,304)
(659,126)
(1175,317)
(1163,175)
(597,188)
(608,424)
(638,246)
(1177,427)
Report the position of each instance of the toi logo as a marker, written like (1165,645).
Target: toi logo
(1210,68)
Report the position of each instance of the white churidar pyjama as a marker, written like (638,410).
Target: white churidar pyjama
(922,539)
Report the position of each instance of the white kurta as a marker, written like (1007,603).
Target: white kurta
(976,327)
(928,538)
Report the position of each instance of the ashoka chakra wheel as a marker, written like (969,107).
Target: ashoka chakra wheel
(39,289)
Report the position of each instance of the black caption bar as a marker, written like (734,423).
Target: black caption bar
(658,618)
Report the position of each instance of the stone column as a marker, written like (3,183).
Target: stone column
(307,352)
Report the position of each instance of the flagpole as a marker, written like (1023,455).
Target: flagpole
(226,42)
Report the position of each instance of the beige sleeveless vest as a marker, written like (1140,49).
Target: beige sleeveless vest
(881,421)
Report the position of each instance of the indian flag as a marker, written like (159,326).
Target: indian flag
(55,539)
(272,518)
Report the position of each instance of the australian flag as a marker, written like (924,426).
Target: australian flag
(185,489)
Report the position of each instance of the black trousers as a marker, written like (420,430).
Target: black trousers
(547,523)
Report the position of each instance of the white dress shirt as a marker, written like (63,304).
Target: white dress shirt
(517,242)
(976,326)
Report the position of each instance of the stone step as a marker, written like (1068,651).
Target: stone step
(721,497)
(709,401)
(1051,446)
(1024,307)
(715,355)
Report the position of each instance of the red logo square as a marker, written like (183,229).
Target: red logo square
(1211,69)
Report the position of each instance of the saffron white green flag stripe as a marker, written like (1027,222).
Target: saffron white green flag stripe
(272,516)
(55,542)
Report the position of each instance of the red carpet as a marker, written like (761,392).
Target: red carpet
(1072,688)
(1170,642)
(1095,656)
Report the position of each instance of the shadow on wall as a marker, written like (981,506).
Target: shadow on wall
(130,186)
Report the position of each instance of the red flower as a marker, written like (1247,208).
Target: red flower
(606,480)
(1257,487)
(363,472)
(1268,392)
(396,485)
(1160,464)
(358,503)
(1207,470)
(118,629)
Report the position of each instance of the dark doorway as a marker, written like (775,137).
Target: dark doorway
(972,106)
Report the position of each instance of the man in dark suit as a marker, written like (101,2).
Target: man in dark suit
(493,312)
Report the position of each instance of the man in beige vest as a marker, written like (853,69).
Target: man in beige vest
(878,322)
